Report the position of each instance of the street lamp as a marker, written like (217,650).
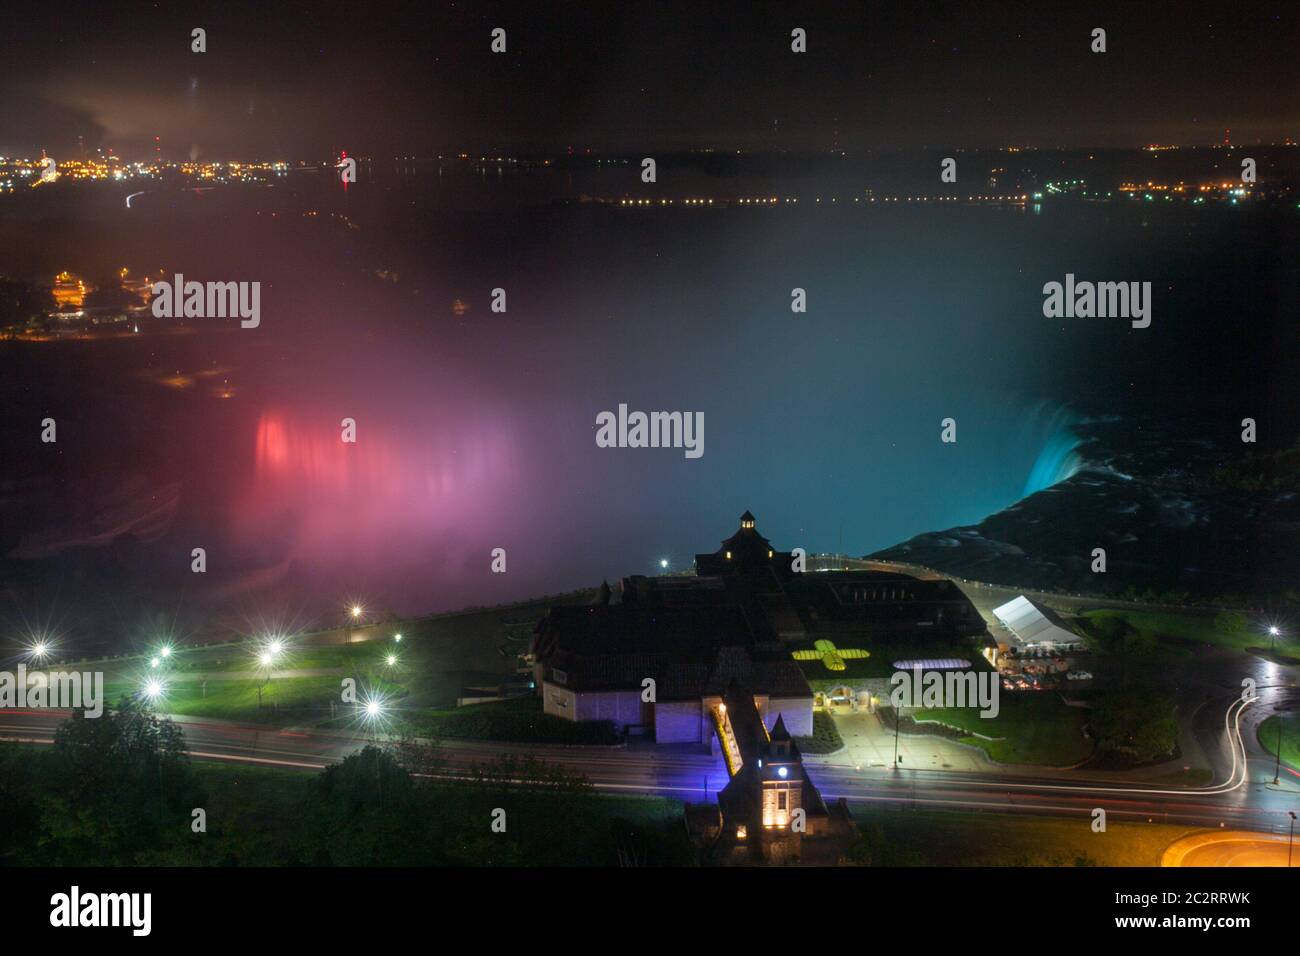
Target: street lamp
(372,712)
(154,662)
(166,650)
(663,563)
(153,689)
(397,638)
(39,651)
(1272,635)
(390,660)
(356,611)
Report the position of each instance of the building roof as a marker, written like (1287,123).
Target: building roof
(1030,625)
(746,551)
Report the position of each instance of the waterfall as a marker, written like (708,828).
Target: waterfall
(1051,426)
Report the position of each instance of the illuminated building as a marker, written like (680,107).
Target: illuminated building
(69,291)
(660,660)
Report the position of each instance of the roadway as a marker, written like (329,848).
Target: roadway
(1241,798)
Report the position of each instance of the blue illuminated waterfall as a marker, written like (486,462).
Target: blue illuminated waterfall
(1052,426)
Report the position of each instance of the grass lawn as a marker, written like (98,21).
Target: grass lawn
(1173,630)
(941,838)
(1033,727)
(283,701)
(1267,735)
(437,657)
(881,661)
(518,720)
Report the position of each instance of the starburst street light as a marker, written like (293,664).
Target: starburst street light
(397,638)
(390,660)
(154,663)
(356,611)
(165,650)
(374,711)
(39,651)
(663,563)
(153,689)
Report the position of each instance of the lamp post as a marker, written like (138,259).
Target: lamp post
(897,720)
(1272,639)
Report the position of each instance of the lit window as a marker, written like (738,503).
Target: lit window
(741,832)
(780,800)
(728,555)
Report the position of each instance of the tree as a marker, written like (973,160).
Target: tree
(1137,722)
(21,832)
(119,787)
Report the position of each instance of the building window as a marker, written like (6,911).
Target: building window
(780,800)
(559,676)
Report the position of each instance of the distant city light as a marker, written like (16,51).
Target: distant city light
(663,562)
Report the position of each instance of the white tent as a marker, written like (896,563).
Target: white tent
(1031,627)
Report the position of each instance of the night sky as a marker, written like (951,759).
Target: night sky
(301,80)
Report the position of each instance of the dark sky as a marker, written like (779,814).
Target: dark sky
(291,79)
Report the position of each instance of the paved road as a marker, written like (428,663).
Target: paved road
(1231,848)
(1241,798)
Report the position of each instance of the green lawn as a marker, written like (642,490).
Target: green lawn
(1032,727)
(881,661)
(283,700)
(437,657)
(520,720)
(899,837)
(1171,630)
(1267,735)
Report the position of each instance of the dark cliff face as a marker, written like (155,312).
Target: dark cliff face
(1178,516)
